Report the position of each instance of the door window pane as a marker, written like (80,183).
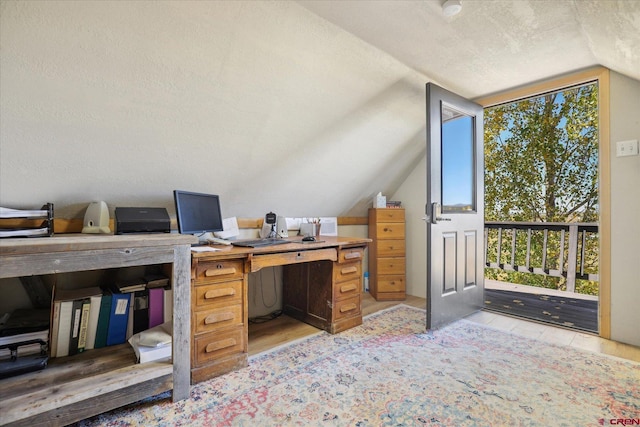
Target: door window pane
(458,168)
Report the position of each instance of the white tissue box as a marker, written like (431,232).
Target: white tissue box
(380,201)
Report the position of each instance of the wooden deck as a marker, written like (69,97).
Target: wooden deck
(564,309)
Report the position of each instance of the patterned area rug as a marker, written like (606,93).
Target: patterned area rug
(389,371)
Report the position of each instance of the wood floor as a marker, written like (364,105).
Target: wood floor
(282,330)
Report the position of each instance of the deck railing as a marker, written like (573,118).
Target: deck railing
(544,242)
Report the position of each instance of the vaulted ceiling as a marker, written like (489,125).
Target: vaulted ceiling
(500,43)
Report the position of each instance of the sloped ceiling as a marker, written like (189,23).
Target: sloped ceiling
(304,108)
(493,45)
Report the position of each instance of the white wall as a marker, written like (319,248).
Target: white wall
(625,209)
(126,101)
(413,195)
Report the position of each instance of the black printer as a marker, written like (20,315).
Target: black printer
(142,220)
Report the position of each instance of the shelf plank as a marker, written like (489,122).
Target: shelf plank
(43,400)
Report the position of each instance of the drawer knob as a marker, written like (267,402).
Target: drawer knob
(218,293)
(348,288)
(352,255)
(219,271)
(217,318)
(349,270)
(219,345)
(348,307)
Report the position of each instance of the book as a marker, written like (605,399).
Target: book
(150,354)
(74,334)
(118,318)
(156,280)
(84,325)
(168,304)
(154,344)
(92,327)
(140,311)
(55,322)
(156,307)
(62,316)
(131,285)
(64,328)
(103,321)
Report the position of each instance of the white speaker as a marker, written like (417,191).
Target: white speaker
(281,227)
(96,219)
(266,230)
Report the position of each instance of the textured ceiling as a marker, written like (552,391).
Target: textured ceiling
(493,45)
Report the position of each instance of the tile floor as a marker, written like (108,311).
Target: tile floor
(556,335)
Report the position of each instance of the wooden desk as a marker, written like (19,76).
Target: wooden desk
(322,286)
(76,387)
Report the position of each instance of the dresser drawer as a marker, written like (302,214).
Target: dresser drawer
(343,272)
(391,266)
(387,215)
(211,320)
(391,284)
(215,345)
(217,294)
(350,254)
(346,308)
(390,248)
(346,289)
(390,230)
(218,271)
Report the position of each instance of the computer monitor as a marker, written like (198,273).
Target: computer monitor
(197,213)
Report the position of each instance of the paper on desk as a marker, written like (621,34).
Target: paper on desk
(230,228)
(293,223)
(24,232)
(204,249)
(328,226)
(19,213)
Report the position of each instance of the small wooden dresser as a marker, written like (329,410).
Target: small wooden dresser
(387,265)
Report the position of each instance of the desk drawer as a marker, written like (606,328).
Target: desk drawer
(391,266)
(347,289)
(391,284)
(211,320)
(390,248)
(390,230)
(347,308)
(216,345)
(343,272)
(286,258)
(218,271)
(350,254)
(217,294)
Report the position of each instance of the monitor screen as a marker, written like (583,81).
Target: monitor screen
(197,213)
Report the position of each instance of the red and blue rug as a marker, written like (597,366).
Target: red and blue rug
(390,372)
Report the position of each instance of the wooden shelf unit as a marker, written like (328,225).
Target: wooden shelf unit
(76,387)
(387,261)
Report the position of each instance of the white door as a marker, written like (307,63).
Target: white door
(455,207)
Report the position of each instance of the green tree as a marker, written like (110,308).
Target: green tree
(541,165)
(541,158)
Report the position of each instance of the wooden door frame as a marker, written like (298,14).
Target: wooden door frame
(601,76)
